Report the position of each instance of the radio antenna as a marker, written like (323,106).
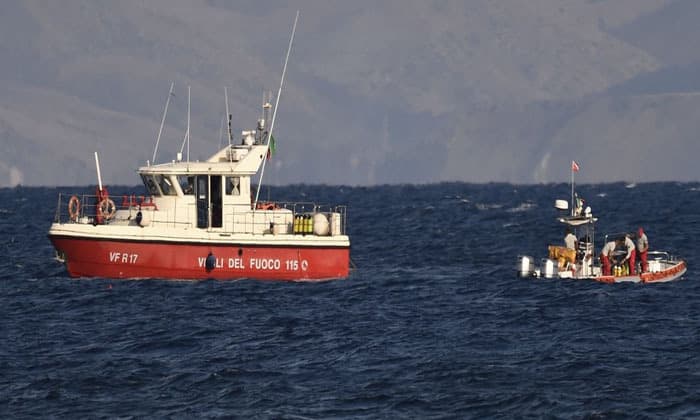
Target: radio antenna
(162,121)
(186,138)
(274,113)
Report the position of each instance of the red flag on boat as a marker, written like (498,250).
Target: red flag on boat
(574,166)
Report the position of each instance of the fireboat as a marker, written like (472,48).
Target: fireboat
(202,220)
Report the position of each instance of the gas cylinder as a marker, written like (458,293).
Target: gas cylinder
(300,227)
(309,224)
(297,219)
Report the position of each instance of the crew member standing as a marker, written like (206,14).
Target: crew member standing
(605,255)
(629,258)
(642,248)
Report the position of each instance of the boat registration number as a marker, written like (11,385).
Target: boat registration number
(123,257)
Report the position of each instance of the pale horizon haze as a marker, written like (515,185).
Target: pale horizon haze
(376,92)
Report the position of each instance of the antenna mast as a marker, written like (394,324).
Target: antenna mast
(187,133)
(274,113)
(228,116)
(188,122)
(162,121)
(221,132)
(99,175)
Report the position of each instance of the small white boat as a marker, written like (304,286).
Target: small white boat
(663,267)
(582,263)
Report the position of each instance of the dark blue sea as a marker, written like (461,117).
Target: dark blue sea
(433,323)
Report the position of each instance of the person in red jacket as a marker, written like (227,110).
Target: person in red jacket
(605,255)
(642,248)
(629,258)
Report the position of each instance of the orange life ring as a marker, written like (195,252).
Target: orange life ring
(106,208)
(74,208)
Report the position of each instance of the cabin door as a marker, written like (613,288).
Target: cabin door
(202,201)
(215,203)
(209,201)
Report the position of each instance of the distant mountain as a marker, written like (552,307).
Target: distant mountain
(389,92)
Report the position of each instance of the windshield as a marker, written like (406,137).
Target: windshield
(166,185)
(186,184)
(150,185)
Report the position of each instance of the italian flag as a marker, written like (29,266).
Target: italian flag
(271,146)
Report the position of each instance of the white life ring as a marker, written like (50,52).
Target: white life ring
(74,208)
(106,208)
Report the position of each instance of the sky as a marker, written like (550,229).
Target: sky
(376,92)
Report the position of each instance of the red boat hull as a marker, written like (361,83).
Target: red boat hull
(85,257)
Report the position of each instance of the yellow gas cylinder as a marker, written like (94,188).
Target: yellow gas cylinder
(302,225)
(295,227)
(309,224)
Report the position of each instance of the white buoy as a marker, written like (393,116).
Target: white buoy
(321,227)
(143,219)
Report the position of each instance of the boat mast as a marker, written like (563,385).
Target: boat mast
(187,132)
(162,121)
(99,176)
(221,132)
(228,116)
(188,122)
(572,191)
(274,113)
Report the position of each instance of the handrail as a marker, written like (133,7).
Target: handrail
(249,221)
(661,254)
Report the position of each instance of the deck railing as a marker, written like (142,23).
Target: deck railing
(251,221)
(87,206)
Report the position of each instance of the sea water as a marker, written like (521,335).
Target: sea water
(433,322)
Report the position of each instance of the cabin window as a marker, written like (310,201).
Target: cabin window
(233,185)
(150,185)
(186,184)
(166,185)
